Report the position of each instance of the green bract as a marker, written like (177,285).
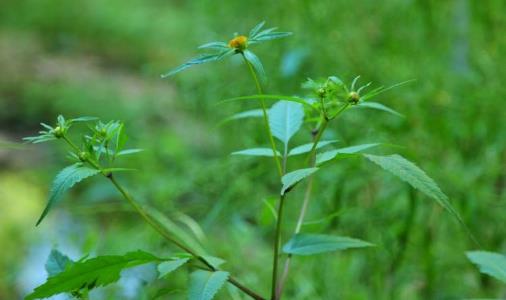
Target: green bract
(234,46)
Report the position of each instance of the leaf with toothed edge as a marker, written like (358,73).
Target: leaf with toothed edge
(65,180)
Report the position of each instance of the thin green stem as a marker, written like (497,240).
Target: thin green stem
(277,242)
(142,212)
(265,116)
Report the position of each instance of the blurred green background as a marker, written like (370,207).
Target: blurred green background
(104,58)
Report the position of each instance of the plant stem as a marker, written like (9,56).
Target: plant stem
(265,116)
(142,212)
(277,242)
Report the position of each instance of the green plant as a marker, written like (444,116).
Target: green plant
(323,102)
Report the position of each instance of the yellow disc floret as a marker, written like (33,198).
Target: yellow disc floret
(240,42)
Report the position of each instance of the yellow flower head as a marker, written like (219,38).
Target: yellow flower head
(239,42)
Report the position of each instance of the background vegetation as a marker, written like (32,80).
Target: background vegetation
(104,59)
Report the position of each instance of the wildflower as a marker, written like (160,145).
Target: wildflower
(237,45)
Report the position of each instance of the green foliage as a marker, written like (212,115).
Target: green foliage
(167,267)
(342,152)
(379,106)
(289,180)
(285,119)
(235,46)
(410,173)
(256,152)
(90,273)
(204,285)
(309,244)
(57,262)
(65,180)
(490,263)
(302,149)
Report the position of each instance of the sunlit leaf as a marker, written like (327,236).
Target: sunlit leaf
(379,106)
(490,263)
(256,152)
(289,180)
(204,285)
(66,179)
(167,267)
(329,155)
(201,59)
(285,119)
(57,262)
(307,147)
(256,63)
(214,45)
(416,177)
(256,29)
(91,273)
(309,244)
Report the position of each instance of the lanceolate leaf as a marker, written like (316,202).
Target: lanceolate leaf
(90,273)
(167,267)
(410,173)
(307,147)
(201,59)
(57,262)
(379,106)
(306,102)
(66,179)
(256,152)
(285,119)
(204,285)
(256,63)
(254,113)
(493,264)
(329,155)
(292,178)
(308,244)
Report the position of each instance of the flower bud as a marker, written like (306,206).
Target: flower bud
(58,132)
(321,92)
(239,43)
(83,156)
(353,97)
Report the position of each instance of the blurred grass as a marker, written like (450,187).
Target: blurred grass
(104,59)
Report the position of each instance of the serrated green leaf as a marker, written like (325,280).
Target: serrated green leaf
(204,285)
(329,155)
(256,63)
(173,229)
(289,180)
(201,59)
(57,262)
(91,273)
(167,267)
(256,152)
(307,147)
(309,244)
(416,177)
(379,106)
(285,119)
(490,263)
(65,180)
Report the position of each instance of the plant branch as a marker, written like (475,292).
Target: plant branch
(265,116)
(142,212)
